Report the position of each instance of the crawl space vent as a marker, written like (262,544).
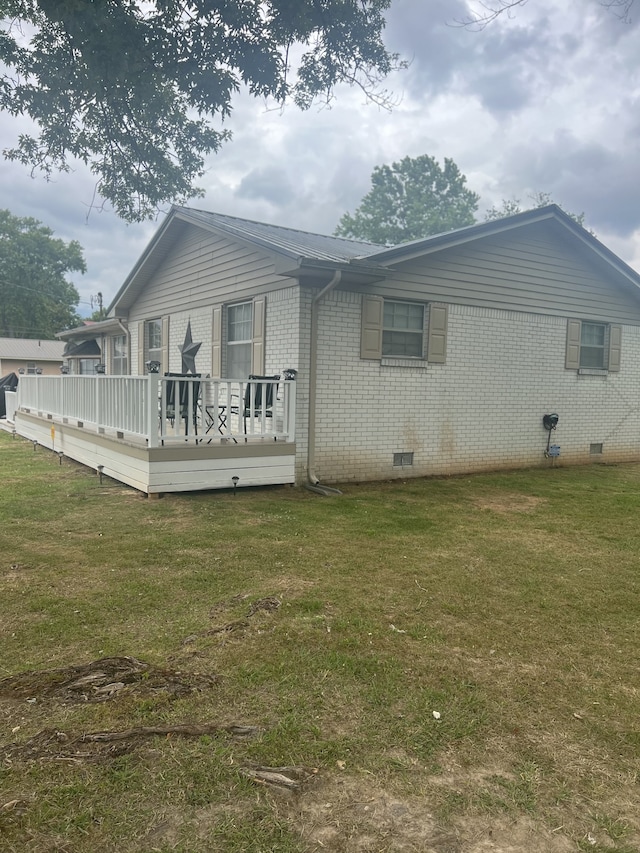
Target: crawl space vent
(402,460)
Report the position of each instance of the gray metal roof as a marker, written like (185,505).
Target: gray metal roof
(289,241)
(31,350)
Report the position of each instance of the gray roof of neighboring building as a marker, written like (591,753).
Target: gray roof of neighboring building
(27,349)
(92,329)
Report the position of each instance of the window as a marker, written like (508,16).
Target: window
(239,339)
(394,329)
(593,337)
(119,352)
(87,366)
(152,344)
(593,346)
(153,340)
(31,368)
(403,329)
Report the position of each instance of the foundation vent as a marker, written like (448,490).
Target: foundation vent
(402,460)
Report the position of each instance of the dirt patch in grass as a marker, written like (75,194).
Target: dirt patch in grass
(508,502)
(15,575)
(349,813)
(355,814)
(100,680)
(267,605)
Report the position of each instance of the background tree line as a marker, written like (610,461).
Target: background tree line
(36,300)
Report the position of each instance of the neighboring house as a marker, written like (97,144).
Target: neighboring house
(27,356)
(85,347)
(438,356)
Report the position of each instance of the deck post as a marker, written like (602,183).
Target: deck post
(290,402)
(152,414)
(97,399)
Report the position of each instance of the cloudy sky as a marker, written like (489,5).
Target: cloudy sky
(544,100)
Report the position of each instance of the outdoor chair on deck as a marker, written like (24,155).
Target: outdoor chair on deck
(182,399)
(258,399)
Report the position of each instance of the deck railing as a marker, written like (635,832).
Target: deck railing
(164,410)
(10,403)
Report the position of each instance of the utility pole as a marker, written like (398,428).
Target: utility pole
(98,299)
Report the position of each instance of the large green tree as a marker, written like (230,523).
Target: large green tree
(139,89)
(411,199)
(36,300)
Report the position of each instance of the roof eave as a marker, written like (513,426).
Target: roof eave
(95,330)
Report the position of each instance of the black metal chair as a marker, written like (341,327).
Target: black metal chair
(258,398)
(181,398)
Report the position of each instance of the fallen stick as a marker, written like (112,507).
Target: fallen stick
(283,777)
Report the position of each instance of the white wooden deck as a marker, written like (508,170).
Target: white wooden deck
(127,428)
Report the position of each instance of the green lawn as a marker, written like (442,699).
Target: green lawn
(441,664)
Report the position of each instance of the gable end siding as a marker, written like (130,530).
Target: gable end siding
(538,274)
(203,269)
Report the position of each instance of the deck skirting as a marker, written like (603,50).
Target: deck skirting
(171,468)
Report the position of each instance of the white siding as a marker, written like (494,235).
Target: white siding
(202,269)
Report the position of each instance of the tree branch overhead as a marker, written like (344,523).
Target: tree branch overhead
(140,91)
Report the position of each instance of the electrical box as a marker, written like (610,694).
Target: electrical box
(554,450)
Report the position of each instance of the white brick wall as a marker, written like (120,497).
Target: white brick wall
(283,330)
(287,347)
(481,410)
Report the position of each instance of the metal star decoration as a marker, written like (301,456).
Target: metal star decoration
(189,351)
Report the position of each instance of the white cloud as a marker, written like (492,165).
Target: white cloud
(546,100)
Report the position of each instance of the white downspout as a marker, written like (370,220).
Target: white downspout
(313,374)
